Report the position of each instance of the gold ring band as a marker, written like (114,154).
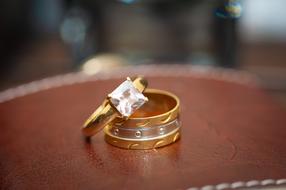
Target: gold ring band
(151,143)
(159,130)
(143,132)
(162,107)
(111,107)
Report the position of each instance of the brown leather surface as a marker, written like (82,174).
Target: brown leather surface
(230,133)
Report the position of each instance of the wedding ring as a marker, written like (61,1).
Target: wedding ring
(135,144)
(154,125)
(144,132)
(162,108)
(119,104)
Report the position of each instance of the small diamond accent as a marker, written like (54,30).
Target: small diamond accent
(126,98)
(162,130)
(138,134)
(116,131)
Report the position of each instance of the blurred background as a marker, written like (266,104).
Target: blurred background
(42,38)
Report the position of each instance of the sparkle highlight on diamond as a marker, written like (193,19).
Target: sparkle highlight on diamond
(126,98)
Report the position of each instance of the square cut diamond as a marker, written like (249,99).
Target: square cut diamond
(126,98)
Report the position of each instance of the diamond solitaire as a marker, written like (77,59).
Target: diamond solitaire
(119,105)
(126,98)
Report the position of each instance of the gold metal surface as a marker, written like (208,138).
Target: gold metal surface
(161,108)
(154,125)
(151,143)
(143,132)
(105,113)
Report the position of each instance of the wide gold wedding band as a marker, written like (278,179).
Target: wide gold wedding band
(154,125)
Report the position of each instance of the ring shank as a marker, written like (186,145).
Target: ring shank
(99,119)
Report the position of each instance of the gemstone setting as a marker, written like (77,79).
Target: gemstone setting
(126,98)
